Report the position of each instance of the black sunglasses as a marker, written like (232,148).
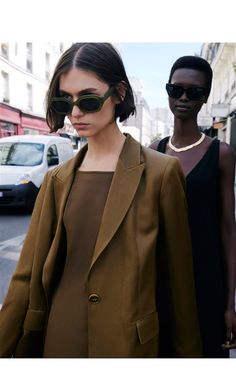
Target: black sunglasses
(87,103)
(192,93)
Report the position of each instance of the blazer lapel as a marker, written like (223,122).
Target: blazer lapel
(63,180)
(123,188)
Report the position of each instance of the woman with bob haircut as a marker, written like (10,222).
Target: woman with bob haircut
(108,231)
(209,167)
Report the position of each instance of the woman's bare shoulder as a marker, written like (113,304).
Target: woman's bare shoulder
(154,144)
(227,156)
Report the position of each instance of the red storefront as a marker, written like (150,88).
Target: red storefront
(13,121)
(32,125)
(9,120)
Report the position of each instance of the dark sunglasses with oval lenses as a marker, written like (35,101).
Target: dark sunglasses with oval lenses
(86,103)
(192,93)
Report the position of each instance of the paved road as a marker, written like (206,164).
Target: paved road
(13,223)
(9,255)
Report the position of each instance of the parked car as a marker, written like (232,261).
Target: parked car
(24,160)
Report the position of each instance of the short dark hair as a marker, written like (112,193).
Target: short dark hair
(196,63)
(106,63)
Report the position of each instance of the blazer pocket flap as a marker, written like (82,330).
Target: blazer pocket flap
(148,327)
(34,320)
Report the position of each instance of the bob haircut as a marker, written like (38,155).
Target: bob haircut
(196,63)
(101,59)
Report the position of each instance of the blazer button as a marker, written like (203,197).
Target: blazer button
(94,298)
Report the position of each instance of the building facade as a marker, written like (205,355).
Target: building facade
(163,123)
(139,125)
(221,104)
(25,71)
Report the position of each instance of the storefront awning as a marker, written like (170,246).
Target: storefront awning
(9,114)
(36,123)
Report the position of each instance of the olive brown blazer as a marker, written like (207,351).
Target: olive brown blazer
(143,247)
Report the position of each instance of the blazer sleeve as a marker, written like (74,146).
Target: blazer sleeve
(179,328)
(16,302)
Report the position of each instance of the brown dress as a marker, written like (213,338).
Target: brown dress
(67,331)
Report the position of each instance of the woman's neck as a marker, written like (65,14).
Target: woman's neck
(185,132)
(104,150)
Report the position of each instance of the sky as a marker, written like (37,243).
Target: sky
(152,34)
(151,63)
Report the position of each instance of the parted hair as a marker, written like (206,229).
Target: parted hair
(101,59)
(196,63)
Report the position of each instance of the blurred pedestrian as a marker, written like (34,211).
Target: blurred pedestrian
(104,226)
(209,167)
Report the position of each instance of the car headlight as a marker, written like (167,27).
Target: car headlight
(23,179)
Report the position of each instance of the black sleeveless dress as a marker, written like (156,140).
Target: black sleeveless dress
(203,197)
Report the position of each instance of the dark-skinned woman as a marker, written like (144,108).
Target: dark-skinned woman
(209,168)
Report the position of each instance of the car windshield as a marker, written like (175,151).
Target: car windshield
(21,153)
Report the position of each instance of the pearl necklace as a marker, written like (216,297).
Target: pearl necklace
(186,147)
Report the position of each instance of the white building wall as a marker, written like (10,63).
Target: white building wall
(132,130)
(163,122)
(140,124)
(19,77)
(146,127)
(222,57)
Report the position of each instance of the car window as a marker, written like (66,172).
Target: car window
(21,154)
(52,156)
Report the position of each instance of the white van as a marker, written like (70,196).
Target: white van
(24,160)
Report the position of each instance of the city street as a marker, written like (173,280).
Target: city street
(13,226)
(13,223)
